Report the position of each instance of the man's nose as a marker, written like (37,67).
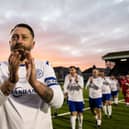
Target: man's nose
(19,40)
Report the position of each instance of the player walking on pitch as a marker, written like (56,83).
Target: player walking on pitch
(73,90)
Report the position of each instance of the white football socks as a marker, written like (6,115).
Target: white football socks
(109,107)
(80,121)
(105,109)
(99,122)
(116,100)
(73,121)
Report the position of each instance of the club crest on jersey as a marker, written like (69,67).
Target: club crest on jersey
(39,73)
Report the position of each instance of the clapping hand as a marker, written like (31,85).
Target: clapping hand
(14,61)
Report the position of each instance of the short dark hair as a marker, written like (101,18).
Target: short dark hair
(72,67)
(25,26)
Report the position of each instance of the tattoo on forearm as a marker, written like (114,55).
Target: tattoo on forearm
(47,94)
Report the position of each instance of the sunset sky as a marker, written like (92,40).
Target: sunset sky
(69,32)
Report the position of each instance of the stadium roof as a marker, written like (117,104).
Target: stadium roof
(116,55)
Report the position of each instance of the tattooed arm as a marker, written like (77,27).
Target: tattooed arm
(49,91)
(44,92)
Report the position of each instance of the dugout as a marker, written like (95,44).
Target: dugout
(117,62)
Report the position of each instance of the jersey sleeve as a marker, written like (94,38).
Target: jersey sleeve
(81,82)
(66,83)
(87,83)
(3,98)
(51,81)
(118,84)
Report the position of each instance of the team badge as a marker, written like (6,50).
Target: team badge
(39,73)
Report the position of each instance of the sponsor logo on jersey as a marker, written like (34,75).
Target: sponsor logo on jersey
(73,87)
(20,91)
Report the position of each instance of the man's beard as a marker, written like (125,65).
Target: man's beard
(21,49)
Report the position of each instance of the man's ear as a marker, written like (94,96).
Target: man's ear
(33,44)
(9,42)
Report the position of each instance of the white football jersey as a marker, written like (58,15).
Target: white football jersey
(114,85)
(73,88)
(23,108)
(95,87)
(106,88)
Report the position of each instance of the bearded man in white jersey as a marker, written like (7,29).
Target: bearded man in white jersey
(28,87)
(73,90)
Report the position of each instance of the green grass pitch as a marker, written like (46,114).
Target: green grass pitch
(119,120)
